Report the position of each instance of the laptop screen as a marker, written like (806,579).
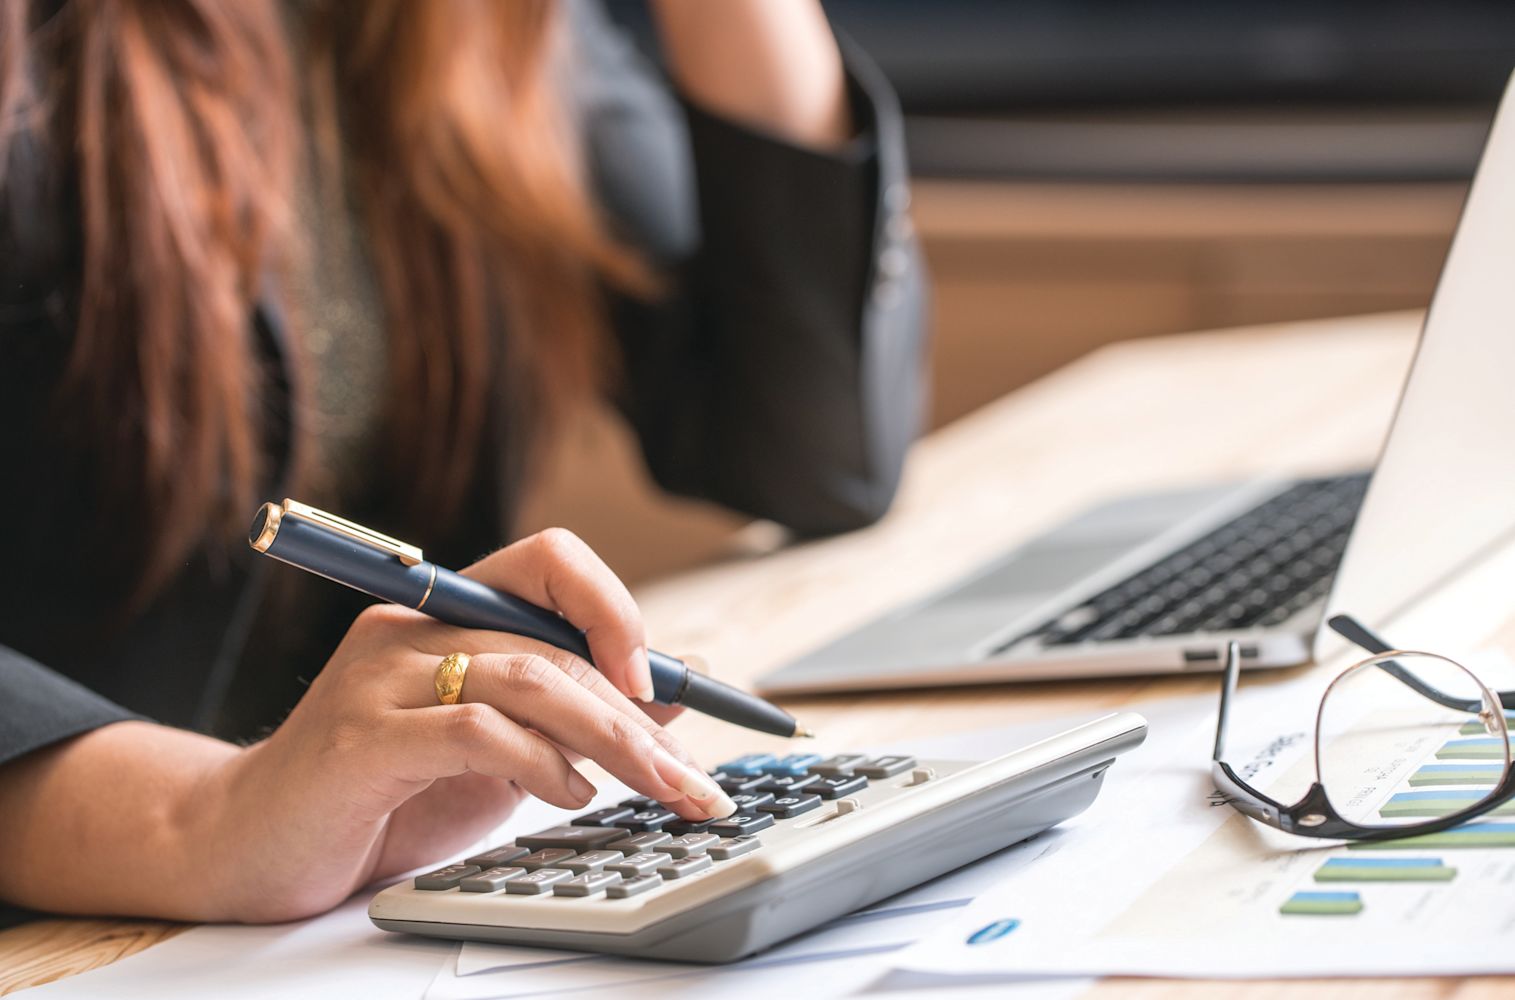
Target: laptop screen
(1443,493)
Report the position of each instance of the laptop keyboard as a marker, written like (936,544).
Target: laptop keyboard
(1257,570)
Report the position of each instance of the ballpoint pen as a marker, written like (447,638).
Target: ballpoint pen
(394,571)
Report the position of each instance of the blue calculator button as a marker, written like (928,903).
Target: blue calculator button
(794,764)
(750,764)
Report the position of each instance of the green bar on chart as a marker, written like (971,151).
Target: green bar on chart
(1487,748)
(1322,904)
(1360,869)
(1457,774)
(1476,728)
(1465,836)
(1439,802)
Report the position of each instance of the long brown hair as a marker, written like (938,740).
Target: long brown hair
(178,124)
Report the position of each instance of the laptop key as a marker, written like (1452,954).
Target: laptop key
(545,858)
(633,886)
(734,847)
(646,821)
(693,843)
(502,855)
(739,824)
(785,784)
(639,842)
(790,806)
(684,867)
(591,861)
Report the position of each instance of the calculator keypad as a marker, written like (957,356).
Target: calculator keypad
(628,849)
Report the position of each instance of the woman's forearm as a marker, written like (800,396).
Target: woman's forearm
(121,820)
(772,64)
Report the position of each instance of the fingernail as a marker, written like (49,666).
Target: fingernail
(688,780)
(580,786)
(641,672)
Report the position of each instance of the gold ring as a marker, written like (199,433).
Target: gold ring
(448,679)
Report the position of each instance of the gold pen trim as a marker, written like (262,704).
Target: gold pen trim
(408,554)
(429,584)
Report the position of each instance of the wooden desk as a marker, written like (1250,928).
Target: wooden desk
(1141,414)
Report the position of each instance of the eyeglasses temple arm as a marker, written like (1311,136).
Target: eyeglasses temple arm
(1227,692)
(1355,632)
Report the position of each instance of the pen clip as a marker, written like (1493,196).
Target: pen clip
(405,552)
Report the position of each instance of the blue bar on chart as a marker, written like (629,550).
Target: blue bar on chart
(1469,835)
(1361,869)
(1322,904)
(1457,774)
(1439,802)
(1487,748)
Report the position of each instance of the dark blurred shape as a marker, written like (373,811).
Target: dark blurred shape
(1186,91)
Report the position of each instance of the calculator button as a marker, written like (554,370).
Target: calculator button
(737,784)
(591,861)
(645,821)
(680,867)
(491,879)
(794,764)
(751,801)
(788,784)
(691,843)
(734,847)
(633,886)
(835,786)
(639,802)
(603,817)
(580,838)
(752,763)
(842,763)
(499,856)
(885,767)
(545,858)
(639,864)
(789,806)
(537,882)
(736,826)
(638,842)
(586,884)
(445,878)
(687,826)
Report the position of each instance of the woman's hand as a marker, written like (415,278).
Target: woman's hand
(369,775)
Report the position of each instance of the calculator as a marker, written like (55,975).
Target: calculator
(812,839)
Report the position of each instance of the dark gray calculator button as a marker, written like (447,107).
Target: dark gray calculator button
(537,882)
(738,784)
(640,864)
(681,867)
(751,801)
(586,884)
(690,843)
(591,861)
(503,855)
(545,858)
(645,821)
(885,767)
(834,787)
(637,842)
(742,823)
(842,763)
(445,878)
(734,847)
(603,817)
(683,826)
(491,879)
(632,886)
(580,838)
(789,784)
(788,806)
(639,802)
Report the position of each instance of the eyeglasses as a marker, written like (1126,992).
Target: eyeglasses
(1396,720)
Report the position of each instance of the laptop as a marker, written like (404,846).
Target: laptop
(1161,583)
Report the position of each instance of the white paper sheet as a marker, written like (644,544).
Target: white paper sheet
(1176,883)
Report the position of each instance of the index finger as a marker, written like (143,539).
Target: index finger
(556,569)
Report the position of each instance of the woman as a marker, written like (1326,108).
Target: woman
(362,254)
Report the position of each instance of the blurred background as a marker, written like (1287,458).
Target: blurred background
(1093,170)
